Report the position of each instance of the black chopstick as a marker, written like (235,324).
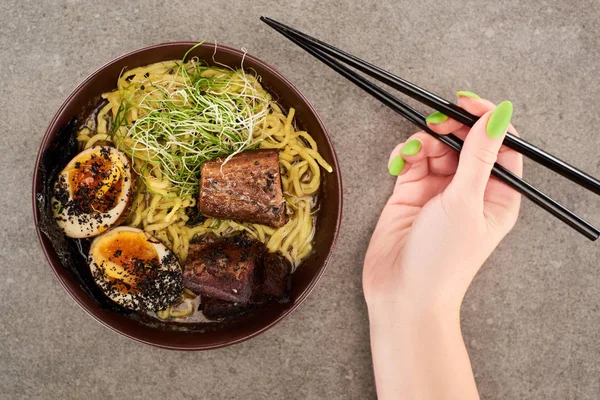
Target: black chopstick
(418,119)
(452,110)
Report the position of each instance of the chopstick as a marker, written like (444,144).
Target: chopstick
(450,109)
(535,195)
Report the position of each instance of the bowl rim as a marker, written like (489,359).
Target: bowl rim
(52,126)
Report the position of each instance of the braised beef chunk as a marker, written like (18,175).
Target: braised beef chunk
(217,309)
(246,188)
(235,275)
(277,277)
(225,269)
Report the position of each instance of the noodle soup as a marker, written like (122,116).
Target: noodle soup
(171,117)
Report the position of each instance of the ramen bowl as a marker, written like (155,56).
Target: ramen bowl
(200,335)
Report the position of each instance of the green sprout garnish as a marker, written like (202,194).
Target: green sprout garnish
(182,124)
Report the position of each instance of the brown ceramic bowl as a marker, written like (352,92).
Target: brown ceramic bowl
(210,335)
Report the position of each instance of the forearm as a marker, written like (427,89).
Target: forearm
(419,354)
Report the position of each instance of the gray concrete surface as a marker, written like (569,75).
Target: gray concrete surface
(532,317)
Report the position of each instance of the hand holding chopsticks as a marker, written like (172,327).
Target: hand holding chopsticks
(332,56)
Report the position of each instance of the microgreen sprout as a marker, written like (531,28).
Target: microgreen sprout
(195,114)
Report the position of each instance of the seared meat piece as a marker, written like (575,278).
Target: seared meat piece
(216,309)
(277,280)
(235,275)
(226,269)
(246,188)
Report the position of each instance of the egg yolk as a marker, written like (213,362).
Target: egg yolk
(96,183)
(126,258)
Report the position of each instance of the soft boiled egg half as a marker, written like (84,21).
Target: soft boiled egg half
(135,270)
(93,192)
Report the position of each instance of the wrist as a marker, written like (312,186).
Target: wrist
(402,312)
(419,351)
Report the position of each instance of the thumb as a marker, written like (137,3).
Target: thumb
(480,151)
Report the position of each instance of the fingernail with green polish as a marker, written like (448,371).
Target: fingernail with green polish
(466,93)
(411,147)
(499,120)
(436,118)
(396,166)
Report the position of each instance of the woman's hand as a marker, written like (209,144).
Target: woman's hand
(443,220)
(446,215)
